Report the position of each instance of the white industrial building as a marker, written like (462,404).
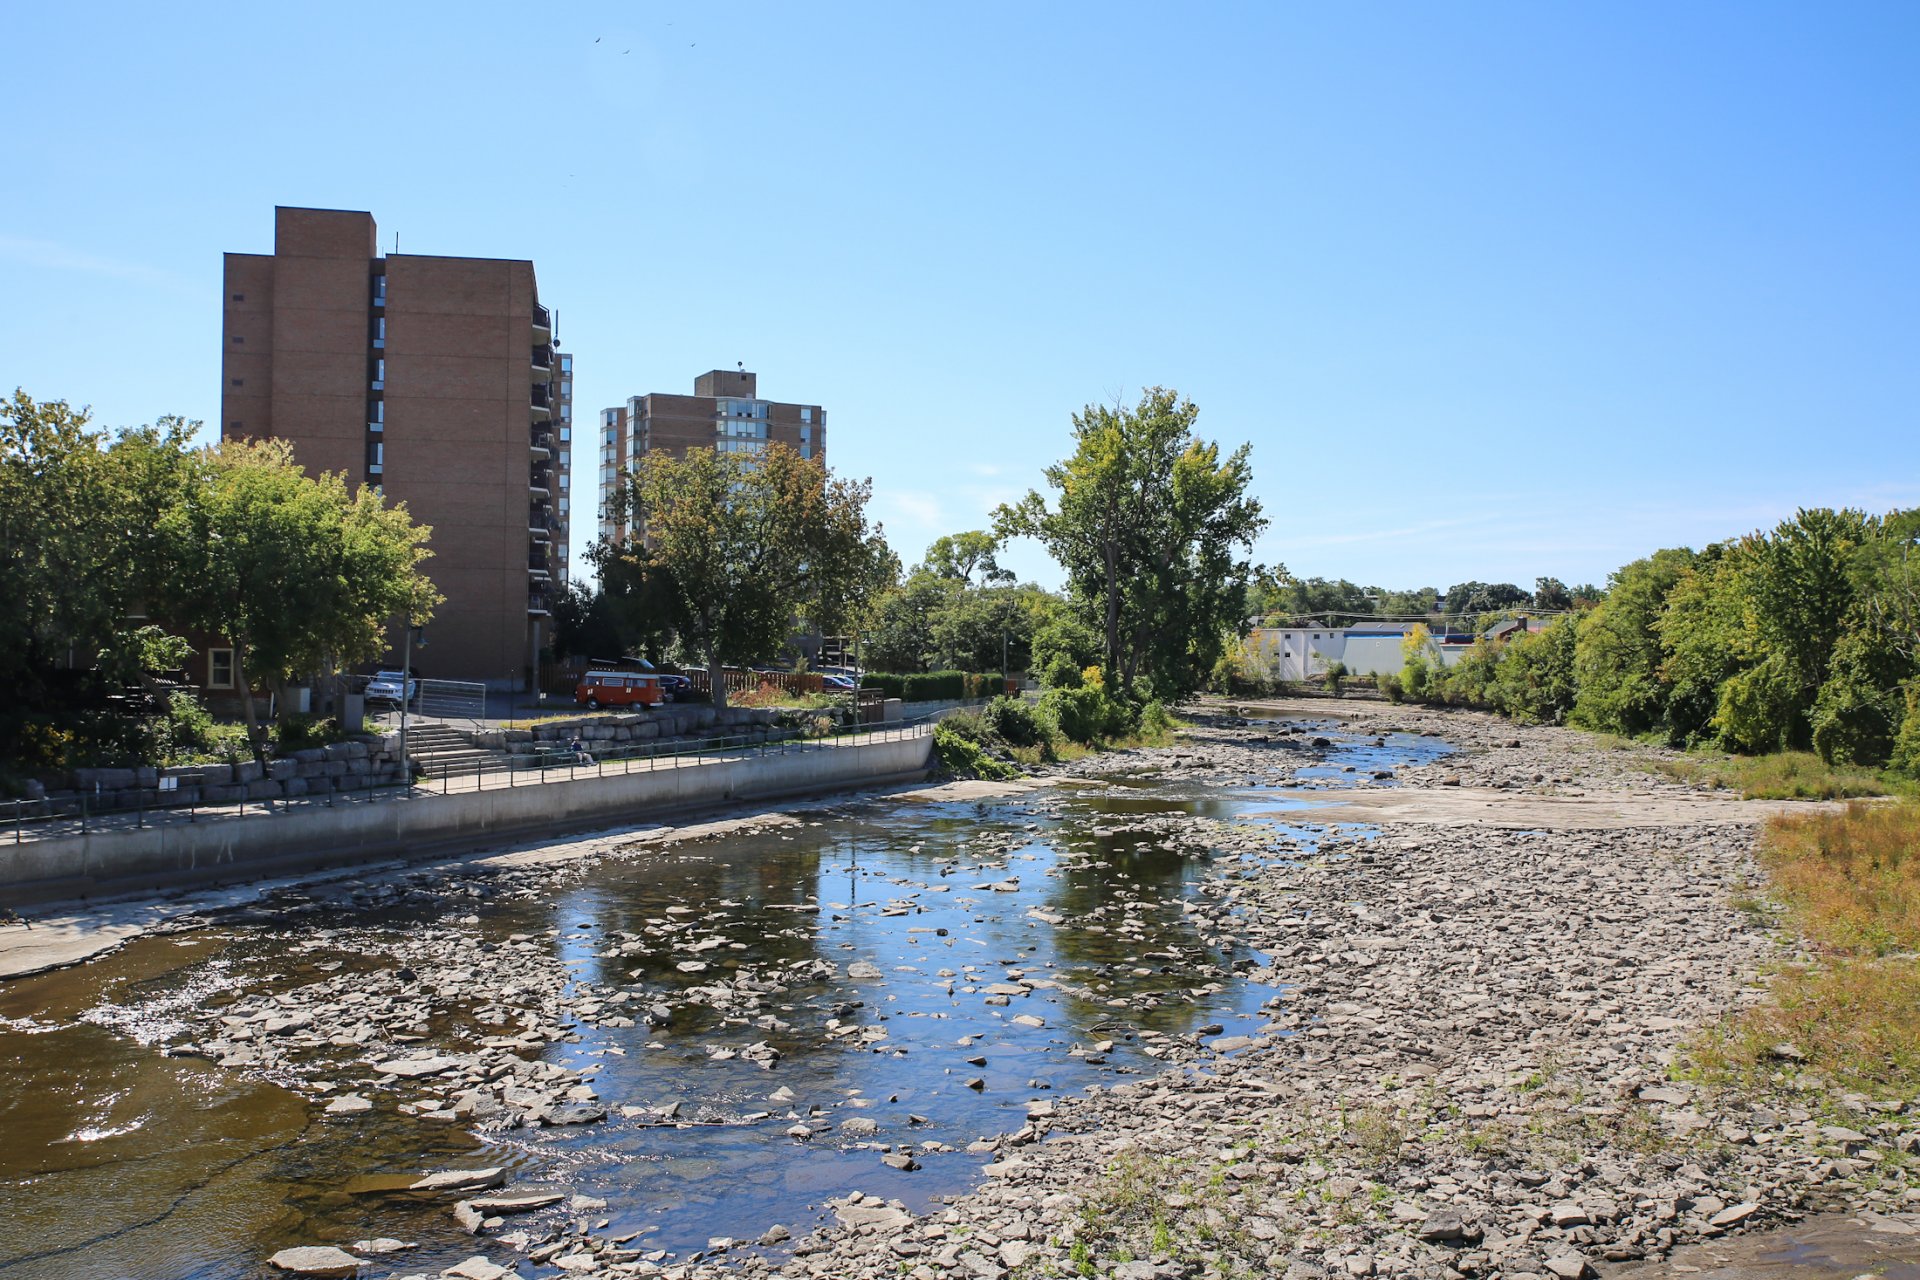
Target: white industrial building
(1300,653)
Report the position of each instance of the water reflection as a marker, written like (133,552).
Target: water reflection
(896,978)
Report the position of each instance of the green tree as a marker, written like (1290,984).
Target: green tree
(740,548)
(1063,646)
(1534,677)
(1700,645)
(1801,592)
(958,555)
(1475,598)
(1551,594)
(295,572)
(80,559)
(901,635)
(1617,655)
(1151,527)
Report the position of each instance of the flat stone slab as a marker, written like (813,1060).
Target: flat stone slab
(459,1180)
(1833,1246)
(316,1260)
(517,1204)
(413,1068)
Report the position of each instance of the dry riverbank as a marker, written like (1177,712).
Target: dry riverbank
(1477,1074)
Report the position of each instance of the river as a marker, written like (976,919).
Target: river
(871,960)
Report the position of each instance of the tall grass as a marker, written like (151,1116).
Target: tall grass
(1785,775)
(1850,879)
(1850,883)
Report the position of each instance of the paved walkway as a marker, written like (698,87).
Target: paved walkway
(454,782)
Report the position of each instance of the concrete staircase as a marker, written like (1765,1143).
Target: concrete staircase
(438,748)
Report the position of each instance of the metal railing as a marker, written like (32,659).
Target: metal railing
(22,821)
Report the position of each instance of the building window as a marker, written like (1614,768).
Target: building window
(239,382)
(235,425)
(564,477)
(219,668)
(239,297)
(806,414)
(238,339)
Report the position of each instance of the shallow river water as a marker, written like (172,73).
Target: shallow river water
(118,1160)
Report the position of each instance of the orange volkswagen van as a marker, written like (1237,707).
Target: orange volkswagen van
(599,689)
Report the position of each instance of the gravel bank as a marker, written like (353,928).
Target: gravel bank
(1469,1073)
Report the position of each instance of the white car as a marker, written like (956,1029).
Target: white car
(384,689)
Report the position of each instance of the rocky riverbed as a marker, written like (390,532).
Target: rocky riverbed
(1163,1020)
(1472,1071)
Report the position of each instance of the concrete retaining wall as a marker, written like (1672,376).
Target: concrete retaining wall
(245,848)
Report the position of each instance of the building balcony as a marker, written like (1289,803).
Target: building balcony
(541,398)
(541,441)
(542,362)
(537,603)
(542,323)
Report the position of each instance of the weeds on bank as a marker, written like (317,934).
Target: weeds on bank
(1143,1207)
(1850,882)
(1785,775)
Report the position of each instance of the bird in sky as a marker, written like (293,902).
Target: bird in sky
(596,39)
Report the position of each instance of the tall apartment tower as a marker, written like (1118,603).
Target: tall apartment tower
(724,412)
(436,380)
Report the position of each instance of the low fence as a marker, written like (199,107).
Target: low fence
(436,699)
(797,683)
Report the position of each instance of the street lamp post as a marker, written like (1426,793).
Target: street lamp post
(406,697)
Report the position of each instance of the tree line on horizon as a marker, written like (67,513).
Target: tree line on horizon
(1802,637)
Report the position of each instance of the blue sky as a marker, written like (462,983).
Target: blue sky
(1494,290)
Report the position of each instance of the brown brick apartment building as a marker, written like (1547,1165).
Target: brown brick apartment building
(724,412)
(435,379)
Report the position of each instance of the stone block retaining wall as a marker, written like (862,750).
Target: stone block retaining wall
(691,724)
(310,771)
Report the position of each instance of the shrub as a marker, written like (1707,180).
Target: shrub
(1756,711)
(186,729)
(1390,686)
(297,732)
(890,686)
(1336,672)
(935,686)
(1155,720)
(1060,672)
(1533,681)
(1906,743)
(1415,679)
(960,754)
(1015,722)
(1088,714)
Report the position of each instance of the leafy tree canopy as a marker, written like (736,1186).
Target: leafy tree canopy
(1152,528)
(739,548)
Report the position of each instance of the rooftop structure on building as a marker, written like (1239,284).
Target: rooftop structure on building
(725,412)
(435,379)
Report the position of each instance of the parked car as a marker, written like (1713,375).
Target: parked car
(599,689)
(675,688)
(384,689)
(837,684)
